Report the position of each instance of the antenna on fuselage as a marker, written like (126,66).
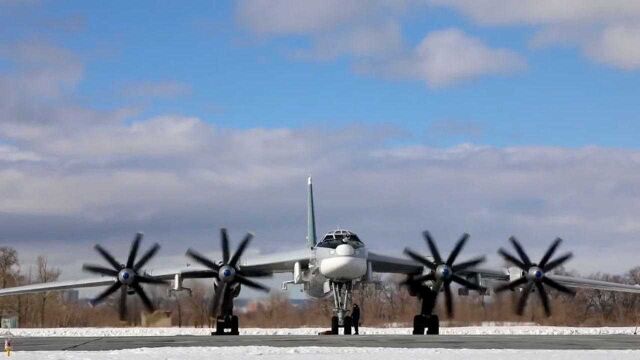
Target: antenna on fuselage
(311,217)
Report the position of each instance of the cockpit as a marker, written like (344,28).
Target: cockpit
(338,237)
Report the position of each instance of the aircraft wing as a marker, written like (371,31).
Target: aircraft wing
(270,264)
(390,264)
(501,277)
(594,284)
(57,285)
(277,262)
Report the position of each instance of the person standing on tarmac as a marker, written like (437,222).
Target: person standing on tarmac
(355,316)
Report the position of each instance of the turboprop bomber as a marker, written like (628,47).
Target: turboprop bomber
(334,267)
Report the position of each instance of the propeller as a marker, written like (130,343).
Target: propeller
(227,272)
(534,275)
(127,276)
(444,272)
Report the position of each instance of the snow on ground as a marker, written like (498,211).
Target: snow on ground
(320,353)
(466,330)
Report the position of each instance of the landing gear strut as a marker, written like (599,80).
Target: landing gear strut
(342,294)
(226,323)
(426,320)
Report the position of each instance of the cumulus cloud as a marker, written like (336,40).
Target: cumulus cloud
(606,31)
(449,56)
(85,176)
(369,32)
(290,17)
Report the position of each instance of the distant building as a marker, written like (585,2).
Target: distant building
(9,322)
(70,296)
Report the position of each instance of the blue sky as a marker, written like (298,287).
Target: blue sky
(238,78)
(494,117)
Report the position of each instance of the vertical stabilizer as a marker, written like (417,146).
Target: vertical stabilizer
(311,217)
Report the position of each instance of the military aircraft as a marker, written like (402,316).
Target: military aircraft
(331,267)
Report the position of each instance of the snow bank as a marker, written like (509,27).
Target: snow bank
(313,353)
(467,330)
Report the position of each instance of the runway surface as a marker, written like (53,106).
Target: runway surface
(588,342)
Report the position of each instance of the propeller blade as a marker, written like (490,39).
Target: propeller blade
(512,259)
(432,246)
(557,262)
(420,279)
(467,264)
(99,270)
(204,274)
(243,245)
(134,250)
(511,285)
(558,286)
(252,284)
(549,252)
(107,256)
(448,299)
(466,283)
(456,250)
(202,260)
(144,279)
(523,299)
(225,246)
(544,298)
(146,257)
(103,295)
(520,251)
(122,309)
(143,296)
(217,297)
(420,259)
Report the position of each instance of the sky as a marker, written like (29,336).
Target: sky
(491,117)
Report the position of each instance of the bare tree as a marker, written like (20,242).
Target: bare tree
(45,275)
(8,259)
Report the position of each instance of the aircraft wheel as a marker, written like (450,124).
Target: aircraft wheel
(234,325)
(419,322)
(433,325)
(334,325)
(348,322)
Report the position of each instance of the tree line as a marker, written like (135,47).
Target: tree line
(385,303)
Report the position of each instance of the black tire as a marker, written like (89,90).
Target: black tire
(419,322)
(433,325)
(334,325)
(348,323)
(234,325)
(220,324)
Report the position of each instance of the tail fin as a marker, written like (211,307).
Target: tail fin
(311,218)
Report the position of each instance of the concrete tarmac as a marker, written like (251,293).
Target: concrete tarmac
(589,342)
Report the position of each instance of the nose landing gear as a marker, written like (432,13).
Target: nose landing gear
(342,295)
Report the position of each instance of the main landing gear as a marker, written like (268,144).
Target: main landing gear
(426,320)
(342,295)
(226,325)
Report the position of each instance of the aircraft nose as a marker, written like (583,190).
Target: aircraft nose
(345,250)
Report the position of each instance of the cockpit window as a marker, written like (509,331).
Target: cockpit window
(334,239)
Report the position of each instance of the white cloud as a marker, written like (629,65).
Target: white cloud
(537,12)
(449,56)
(380,41)
(291,17)
(617,45)
(85,176)
(606,31)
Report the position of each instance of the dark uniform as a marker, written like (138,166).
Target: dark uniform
(355,316)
